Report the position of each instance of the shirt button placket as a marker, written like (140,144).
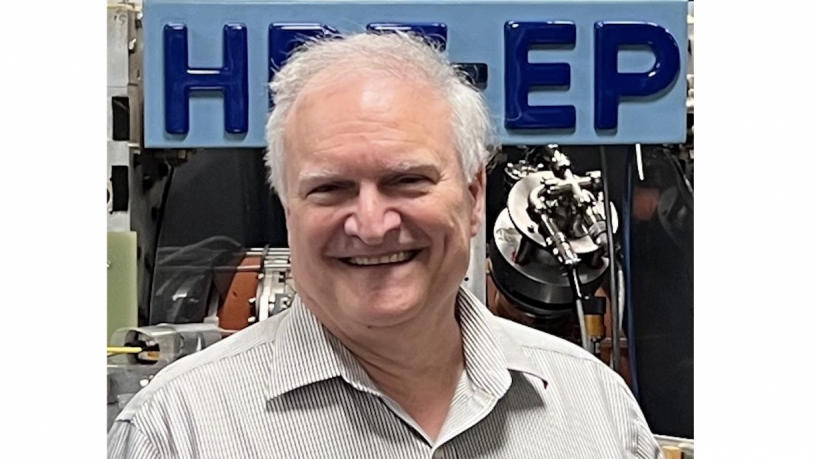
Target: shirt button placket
(442,453)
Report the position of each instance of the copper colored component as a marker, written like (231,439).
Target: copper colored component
(594,325)
(236,310)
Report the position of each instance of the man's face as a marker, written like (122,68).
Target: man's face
(379,215)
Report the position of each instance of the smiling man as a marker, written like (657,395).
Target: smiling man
(377,148)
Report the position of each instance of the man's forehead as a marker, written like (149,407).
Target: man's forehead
(341,74)
(367,88)
(311,170)
(329,105)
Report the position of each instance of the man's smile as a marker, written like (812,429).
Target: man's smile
(385,259)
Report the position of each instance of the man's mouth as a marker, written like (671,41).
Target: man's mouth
(386,259)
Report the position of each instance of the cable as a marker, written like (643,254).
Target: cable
(613,284)
(626,234)
(155,246)
(681,173)
(621,296)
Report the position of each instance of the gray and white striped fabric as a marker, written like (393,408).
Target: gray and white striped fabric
(286,388)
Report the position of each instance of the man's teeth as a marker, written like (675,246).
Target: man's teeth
(393,258)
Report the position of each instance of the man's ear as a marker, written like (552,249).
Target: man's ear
(288,224)
(287,218)
(476,191)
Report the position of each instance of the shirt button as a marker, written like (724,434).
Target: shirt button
(439,454)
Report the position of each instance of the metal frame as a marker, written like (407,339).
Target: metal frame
(119,37)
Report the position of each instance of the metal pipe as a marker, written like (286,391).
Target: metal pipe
(575,282)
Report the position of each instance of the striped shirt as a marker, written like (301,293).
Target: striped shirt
(286,388)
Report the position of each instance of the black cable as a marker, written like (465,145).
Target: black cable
(626,262)
(681,173)
(157,241)
(613,284)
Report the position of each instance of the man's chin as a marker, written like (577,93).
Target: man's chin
(383,307)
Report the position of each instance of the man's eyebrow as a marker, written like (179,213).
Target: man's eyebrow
(412,166)
(318,174)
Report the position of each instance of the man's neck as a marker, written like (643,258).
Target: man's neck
(417,364)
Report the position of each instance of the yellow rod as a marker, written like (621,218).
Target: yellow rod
(124,350)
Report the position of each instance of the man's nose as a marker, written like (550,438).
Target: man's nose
(372,219)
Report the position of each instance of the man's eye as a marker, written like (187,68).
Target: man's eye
(411,179)
(327,188)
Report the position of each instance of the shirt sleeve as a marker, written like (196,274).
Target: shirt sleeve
(647,446)
(126,441)
(638,440)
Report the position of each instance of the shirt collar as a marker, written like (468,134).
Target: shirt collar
(490,351)
(307,353)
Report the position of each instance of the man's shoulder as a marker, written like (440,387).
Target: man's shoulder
(554,355)
(236,356)
(550,352)
(537,341)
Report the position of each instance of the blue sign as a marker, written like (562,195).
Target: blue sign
(575,72)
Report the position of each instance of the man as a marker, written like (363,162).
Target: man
(377,148)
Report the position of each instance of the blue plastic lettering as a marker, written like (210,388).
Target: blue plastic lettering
(520,75)
(435,32)
(180,80)
(611,86)
(284,38)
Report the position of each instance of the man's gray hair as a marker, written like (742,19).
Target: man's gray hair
(399,54)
